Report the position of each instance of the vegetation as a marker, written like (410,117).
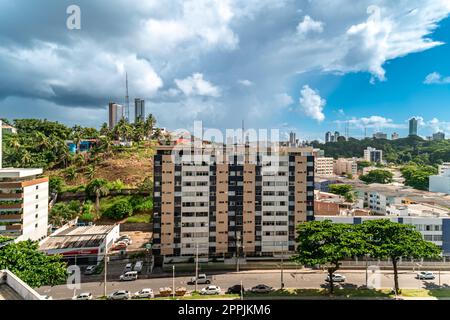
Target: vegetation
(377,176)
(325,242)
(141,206)
(120,210)
(344,190)
(401,151)
(387,239)
(97,188)
(32,266)
(418,176)
(63,212)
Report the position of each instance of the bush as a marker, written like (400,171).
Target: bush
(116,185)
(87,217)
(55,184)
(120,210)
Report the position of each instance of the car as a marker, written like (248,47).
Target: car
(236,289)
(261,288)
(120,295)
(202,279)
(144,293)
(83,296)
(129,276)
(119,246)
(47,298)
(210,290)
(121,243)
(425,275)
(124,238)
(336,278)
(90,270)
(138,266)
(128,267)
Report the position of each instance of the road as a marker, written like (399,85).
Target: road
(292,279)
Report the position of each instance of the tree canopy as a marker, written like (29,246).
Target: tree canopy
(377,176)
(418,176)
(32,266)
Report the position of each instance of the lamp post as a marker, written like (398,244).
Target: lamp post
(196,266)
(105,259)
(282,271)
(173,281)
(367,270)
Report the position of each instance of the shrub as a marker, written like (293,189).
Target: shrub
(87,217)
(55,184)
(120,210)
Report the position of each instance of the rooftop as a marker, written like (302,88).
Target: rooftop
(13,288)
(77,237)
(19,173)
(8,293)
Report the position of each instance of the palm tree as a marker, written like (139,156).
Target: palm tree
(25,158)
(43,142)
(104,130)
(90,172)
(14,143)
(98,188)
(71,173)
(149,125)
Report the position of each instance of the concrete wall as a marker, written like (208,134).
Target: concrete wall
(24,290)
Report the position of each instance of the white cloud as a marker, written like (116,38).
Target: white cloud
(283,99)
(245,82)
(436,78)
(309,25)
(372,122)
(195,85)
(311,104)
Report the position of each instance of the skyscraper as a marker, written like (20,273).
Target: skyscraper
(139,109)
(413,127)
(328,137)
(115,114)
(292,139)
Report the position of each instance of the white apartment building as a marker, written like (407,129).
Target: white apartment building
(377,201)
(324,166)
(345,166)
(373,155)
(441,181)
(23,204)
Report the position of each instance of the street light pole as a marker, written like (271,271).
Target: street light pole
(367,271)
(237,253)
(282,271)
(105,259)
(173,281)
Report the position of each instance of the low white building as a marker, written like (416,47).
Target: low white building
(441,181)
(324,166)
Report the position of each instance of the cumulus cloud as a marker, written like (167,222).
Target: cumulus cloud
(312,104)
(195,85)
(436,78)
(245,82)
(309,25)
(372,122)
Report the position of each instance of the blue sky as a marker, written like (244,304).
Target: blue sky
(285,64)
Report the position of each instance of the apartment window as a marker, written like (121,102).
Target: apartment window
(36,216)
(37,196)
(37,187)
(37,206)
(36,225)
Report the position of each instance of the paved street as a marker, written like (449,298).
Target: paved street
(292,279)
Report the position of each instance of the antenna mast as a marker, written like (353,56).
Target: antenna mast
(127,99)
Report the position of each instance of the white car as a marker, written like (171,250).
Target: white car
(425,275)
(210,290)
(336,278)
(129,276)
(144,293)
(261,288)
(128,267)
(138,266)
(83,296)
(120,295)
(202,279)
(90,270)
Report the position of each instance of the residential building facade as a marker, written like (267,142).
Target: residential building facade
(380,135)
(232,202)
(345,167)
(413,127)
(139,110)
(395,136)
(373,155)
(438,136)
(23,204)
(324,166)
(441,181)
(116,113)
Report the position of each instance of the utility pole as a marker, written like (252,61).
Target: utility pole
(237,252)
(105,259)
(282,271)
(196,265)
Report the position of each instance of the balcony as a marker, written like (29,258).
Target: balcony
(11,205)
(11,196)
(11,217)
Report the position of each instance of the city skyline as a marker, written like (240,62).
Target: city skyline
(372,81)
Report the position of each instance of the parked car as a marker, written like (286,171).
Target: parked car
(202,279)
(83,296)
(120,246)
(120,295)
(261,288)
(129,276)
(128,267)
(425,275)
(144,293)
(125,238)
(210,290)
(138,266)
(336,278)
(90,270)
(236,289)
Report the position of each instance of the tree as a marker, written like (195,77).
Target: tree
(104,130)
(55,184)
(90,172)
(340,189)
(377,176)
(31,265)
(149,125)
(119,210)
(71,173)
(387,239)
(325,242)
(363,164)
(97,188)
(418,176)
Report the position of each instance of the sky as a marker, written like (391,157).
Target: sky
(309,66)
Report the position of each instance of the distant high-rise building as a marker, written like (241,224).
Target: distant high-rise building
(380,135)
(395,136)
(139,109)
(413,127)
(328,137)
(438,136)
(292,139)
(115,114)
(336,135)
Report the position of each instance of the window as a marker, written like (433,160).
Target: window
(37,206)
